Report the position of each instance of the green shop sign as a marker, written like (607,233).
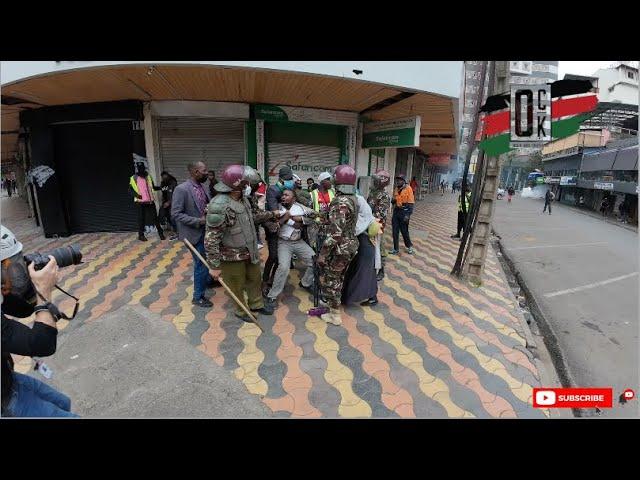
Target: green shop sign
(403,132)
(271,113)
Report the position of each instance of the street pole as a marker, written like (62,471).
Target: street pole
(473,266)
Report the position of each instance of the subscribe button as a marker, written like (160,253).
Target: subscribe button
(573,397)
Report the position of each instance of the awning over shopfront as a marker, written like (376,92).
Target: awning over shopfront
(146,82)
(627,159)
(598,161)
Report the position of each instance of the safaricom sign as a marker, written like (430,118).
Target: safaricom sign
(402,132)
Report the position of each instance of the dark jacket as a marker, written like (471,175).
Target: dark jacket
(167,187)
(184,211)
(17,338)
(274,194)
(548,197)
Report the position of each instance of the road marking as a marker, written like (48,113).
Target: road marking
(556,246)
(591,285)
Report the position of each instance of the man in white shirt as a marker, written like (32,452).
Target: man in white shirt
(294,216)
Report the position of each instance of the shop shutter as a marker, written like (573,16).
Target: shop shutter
(306,161)
(93,165)
(216,142)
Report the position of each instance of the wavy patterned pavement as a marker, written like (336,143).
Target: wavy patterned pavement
(434,346)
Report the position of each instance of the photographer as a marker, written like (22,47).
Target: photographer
(23,395)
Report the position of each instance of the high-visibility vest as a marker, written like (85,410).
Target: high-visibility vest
(134,185)
(316,198)
(467,198)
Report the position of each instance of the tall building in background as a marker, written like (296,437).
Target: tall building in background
(618,83)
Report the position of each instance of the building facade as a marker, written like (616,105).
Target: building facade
(618,83)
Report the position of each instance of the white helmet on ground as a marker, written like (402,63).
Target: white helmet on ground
(9,245)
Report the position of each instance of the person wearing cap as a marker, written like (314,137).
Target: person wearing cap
(142,187)
(403,201)
(320,200)
(231,243)
(25,395)
(274,196)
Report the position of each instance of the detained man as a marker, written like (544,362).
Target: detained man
(293,217)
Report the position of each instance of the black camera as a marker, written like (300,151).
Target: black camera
(65,256)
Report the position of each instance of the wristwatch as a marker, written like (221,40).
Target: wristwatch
(49,307)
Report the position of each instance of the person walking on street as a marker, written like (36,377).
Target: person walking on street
(142,187)
(442,186)
(274,196)
(510,192)
(380,202)
(403,201)
(321,198)
(9,185)
(341,244)
(293,215)
(604,206)
(462,216)
(167,186)
(548,198)
(414,186)
(231,243)
(188,207)
(624,211)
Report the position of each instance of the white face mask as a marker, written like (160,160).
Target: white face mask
(247,191)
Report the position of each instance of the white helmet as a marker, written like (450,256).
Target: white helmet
(9,245)
(324,176)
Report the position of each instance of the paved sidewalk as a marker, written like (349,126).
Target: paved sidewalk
(434,347)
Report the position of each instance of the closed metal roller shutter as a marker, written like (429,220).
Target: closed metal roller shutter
(306,161)
(216,142)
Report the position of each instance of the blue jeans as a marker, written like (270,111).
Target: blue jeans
(200,272)
(33,398)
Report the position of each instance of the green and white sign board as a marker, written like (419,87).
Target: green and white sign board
(278,113)
(402,132)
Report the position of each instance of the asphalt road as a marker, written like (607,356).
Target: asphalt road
(584,275)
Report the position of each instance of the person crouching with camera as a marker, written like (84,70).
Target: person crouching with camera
(23,395)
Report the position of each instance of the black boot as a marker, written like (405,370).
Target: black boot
(380,275)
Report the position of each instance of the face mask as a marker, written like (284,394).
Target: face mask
(247,191)
(289,184)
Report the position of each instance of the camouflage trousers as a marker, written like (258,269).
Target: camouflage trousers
(332,278)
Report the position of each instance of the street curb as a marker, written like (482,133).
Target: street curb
(561,376)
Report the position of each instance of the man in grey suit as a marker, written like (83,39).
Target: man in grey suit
(188,208)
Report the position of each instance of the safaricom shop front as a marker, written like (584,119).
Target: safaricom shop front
(309,140)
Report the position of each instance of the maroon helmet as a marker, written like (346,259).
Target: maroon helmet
(381,178)
(232,179)
(344,175)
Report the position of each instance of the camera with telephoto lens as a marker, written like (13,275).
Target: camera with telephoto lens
(65,256)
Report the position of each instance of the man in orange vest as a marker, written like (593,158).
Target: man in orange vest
(403,202)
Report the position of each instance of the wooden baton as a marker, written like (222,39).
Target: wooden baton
(224,285)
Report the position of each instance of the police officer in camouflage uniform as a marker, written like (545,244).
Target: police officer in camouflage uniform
(341,244)
(303,197)
(230,240)
(380,202)
(253,179)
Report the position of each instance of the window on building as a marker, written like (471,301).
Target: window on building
(631,75)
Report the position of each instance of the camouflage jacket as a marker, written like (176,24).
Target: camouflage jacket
(230,234)
(340,232)
(259,216)
(303,197)
(380,203)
